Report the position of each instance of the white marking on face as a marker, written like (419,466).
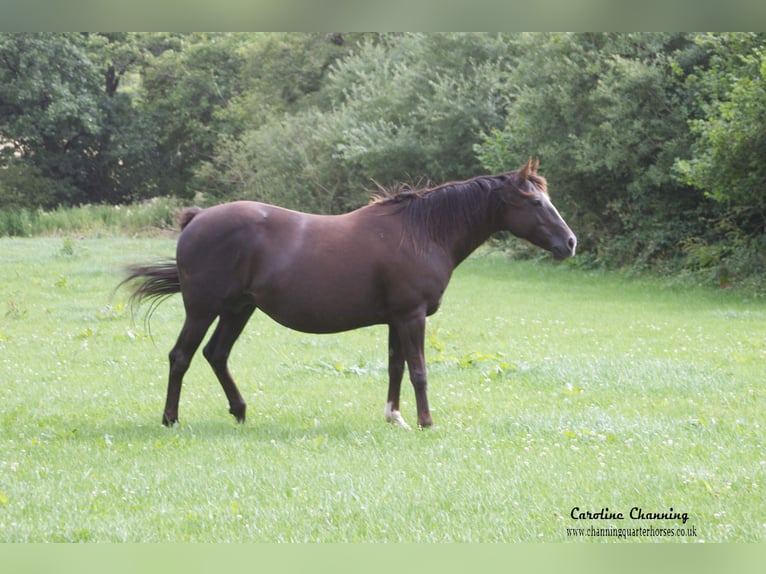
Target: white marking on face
(549,205)
(395,417)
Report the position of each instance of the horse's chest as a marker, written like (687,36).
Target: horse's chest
(433,305)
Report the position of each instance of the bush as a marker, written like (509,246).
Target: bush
(22,186)
(407,109)
(603,114)
(149,217)
(728,156)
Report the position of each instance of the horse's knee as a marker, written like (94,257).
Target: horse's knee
(217,360)
(419,380)
(179,361)
(207,352)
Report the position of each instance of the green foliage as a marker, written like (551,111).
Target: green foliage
(61,117)
(22,185)
(414,107)
(287,73)
(186,90)
(604,116)
(49,108)
(285,161)
(728,160)
(402,110)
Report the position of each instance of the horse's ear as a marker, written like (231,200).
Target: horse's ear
(526,170)
(535,165)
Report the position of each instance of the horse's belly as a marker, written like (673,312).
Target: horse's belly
(319,318)
(316,306)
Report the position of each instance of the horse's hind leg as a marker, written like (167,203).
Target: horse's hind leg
(217,351)
(188,342)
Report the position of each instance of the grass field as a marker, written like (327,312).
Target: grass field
(551,389)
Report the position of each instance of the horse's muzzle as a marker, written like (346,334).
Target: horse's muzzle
(564,250)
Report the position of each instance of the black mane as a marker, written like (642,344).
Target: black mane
(434,213)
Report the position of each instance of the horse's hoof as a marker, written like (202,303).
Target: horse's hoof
(395,417)
(398,421)
(168,421)
(239,413)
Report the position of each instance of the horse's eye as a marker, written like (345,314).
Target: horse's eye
(537,202)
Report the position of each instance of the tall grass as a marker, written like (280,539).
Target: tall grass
(551,388)
(157,214)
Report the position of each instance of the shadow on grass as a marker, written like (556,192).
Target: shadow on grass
(281,429)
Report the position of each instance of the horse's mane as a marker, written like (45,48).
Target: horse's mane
(434,212)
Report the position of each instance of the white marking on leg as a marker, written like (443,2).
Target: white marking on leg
(395,417)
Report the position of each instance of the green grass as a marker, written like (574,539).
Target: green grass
(550,388)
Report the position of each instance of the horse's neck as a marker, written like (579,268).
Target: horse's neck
(468,240)
(458,220)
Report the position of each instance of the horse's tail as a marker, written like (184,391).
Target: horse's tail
(158,281)
(187,215)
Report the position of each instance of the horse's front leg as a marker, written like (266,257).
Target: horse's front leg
(411,332)
(395,374)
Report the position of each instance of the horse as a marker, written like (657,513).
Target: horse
(388,263)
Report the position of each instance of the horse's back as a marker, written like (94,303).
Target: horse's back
(235,228)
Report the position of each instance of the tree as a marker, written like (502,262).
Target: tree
(607,120)
(185,91)
(64,123)
(49,109)
(398,108)
(414,105)
(286,73)
(727,163)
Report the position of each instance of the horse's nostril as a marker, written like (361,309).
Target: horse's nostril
(572,242)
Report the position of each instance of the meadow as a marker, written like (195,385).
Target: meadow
(569,406)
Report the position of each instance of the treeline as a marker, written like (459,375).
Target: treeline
(653,143)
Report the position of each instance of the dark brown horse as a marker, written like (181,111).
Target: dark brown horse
(386,263)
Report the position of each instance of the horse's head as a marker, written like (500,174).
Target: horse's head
(529,213)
